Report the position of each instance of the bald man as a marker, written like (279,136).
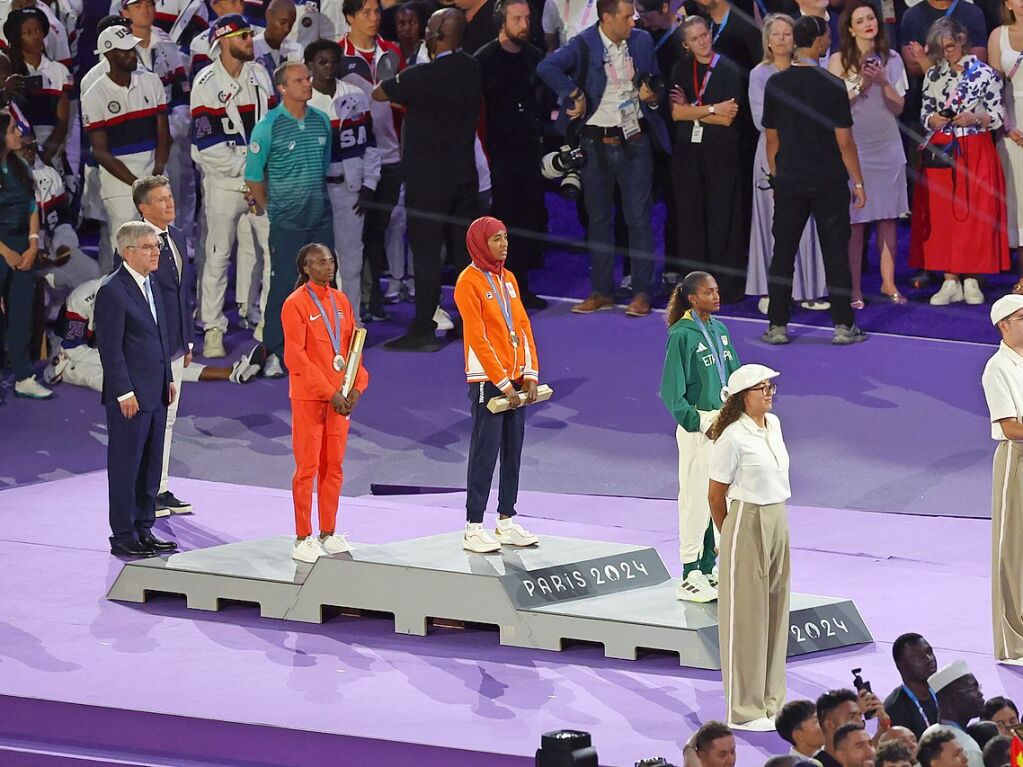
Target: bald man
(272,46)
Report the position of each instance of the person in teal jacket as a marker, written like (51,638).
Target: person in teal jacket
(697,362)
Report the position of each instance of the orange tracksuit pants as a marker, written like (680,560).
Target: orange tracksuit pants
(318,439)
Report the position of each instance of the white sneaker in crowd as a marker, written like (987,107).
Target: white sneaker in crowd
(307,550)
(272,368)
(764,724)
(30,388)
(815,305)
(244,369)
(712,577)
(764,305)
(479,540)
(443,320)
(696,588)
(213,344)
(392,289)
(336,544)
(951,293)
(55,370)
(971,292)
(510,533)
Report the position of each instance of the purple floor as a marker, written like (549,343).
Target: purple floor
(60,640)
(895,424)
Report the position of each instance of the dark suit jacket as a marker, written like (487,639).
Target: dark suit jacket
(177,302)
(132,348)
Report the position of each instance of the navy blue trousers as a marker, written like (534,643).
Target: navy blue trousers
(493,434)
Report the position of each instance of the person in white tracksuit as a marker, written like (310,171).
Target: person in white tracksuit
(228,98)
(355,160)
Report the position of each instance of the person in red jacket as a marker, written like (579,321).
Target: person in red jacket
(500,360)
(318,327)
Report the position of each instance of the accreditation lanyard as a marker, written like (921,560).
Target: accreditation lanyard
(612,71)
(716,349)
(503,301)
(698,89)
(724,23)
(333,324)
(951,9)
(919,705)
(665,37)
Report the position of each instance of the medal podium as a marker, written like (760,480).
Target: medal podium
(564,590)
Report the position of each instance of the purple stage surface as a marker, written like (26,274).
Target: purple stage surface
(895,424)
(351,686)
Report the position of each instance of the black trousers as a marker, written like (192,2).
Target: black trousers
(518,201)
(374,229)
(830,208)
(493,434)
(17,289)
(709,216)
(134,463)
(431,207)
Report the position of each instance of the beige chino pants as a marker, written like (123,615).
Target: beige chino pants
(753,609)
(1007,550)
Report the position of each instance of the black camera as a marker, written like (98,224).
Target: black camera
(861,685)
(655,83)
(654,761)
(566,748)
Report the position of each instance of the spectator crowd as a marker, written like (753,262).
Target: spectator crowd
(381,128)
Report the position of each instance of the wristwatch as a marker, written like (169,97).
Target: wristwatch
(713,111)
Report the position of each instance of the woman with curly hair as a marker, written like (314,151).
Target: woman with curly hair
(749,484)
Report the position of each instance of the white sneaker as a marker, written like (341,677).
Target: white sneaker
(272,367)
(510,533)
(307,550)
(392,291)
(712,577)
(162,511)
(213,344)
(243,370)
(951,293)
(336,544)
(31,389)
(55,370)
(443,320)
(764,724)
(815,305)
(971,292)
(1012,662)
(479,540)
(696,588)
(764,305)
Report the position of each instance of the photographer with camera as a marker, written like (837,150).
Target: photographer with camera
(604,77)
(709,107)
(513,140)
(959,223)
(836,708)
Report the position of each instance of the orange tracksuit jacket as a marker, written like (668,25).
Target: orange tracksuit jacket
(318,433)
(489,354)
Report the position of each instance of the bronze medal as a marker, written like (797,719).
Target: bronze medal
(339,363)
(514,340)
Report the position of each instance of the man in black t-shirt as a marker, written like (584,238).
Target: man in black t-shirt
(811,155)
(442,100)
(913,704)
(514,141)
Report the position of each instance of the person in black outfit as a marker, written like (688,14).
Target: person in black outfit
(811,155)
(514,141)
(913,704)
(709,104)
(442,99)
(481,23)
(733,33)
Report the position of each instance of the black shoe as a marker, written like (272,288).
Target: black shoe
(414,343)
(154,544)
(531,300)
(132,549)
(175,505)
(375,314)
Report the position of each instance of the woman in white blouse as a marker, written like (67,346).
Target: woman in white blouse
(749,484)
(959,223)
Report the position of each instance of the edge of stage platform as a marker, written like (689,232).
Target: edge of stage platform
(566,589)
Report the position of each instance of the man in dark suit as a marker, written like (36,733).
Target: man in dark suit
(155,201)
(132,333)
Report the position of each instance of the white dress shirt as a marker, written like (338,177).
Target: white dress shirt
(616,58)
(1003,388)
(753,461)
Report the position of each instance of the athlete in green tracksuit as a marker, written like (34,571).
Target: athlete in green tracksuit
(698,360)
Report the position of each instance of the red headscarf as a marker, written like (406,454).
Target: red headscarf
(481,230)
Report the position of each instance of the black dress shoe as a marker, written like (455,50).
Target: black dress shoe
(414,343)
(132,549)
(153,543)
(167,500)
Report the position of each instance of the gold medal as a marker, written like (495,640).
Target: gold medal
(339,363)
(514,340)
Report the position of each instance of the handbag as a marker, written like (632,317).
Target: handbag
(941,156)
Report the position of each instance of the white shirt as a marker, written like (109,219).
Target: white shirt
(974,756)
(56,82)
(616,58)
(271,58)
(1003,388)
(567,18)
(753,461)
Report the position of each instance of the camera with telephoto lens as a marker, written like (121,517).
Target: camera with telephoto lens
(563,165)
(655,83)
(654,761)
(860,686)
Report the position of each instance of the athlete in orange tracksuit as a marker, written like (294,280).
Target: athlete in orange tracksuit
(318,327)
(500,359)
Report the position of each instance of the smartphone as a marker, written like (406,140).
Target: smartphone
(947,113)
(33,83)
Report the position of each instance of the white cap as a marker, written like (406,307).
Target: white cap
(1005,306)
(942,678)
(116,38)
(749,376)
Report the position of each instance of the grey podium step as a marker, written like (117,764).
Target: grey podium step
(565,589)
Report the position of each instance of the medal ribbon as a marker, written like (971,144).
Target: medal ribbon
(333,326)
(503,301)
(716,349)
